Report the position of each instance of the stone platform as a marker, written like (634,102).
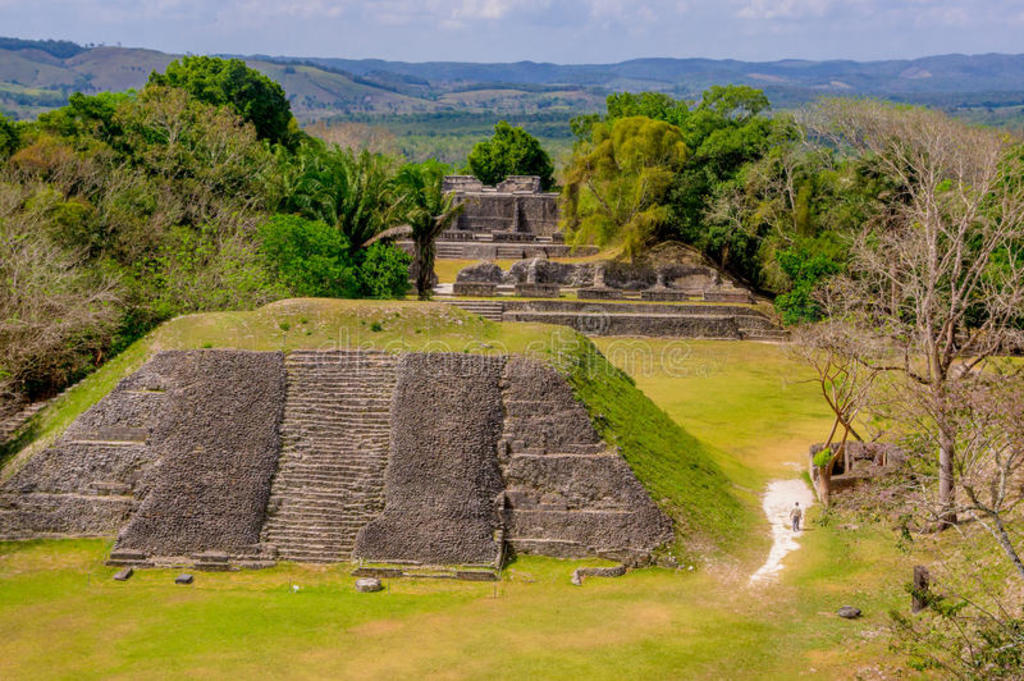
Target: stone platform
(599,317)
(219,460)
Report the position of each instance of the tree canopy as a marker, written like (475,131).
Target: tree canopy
(617,186)
(511,151)
(252,95)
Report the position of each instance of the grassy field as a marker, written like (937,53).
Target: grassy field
(61,616)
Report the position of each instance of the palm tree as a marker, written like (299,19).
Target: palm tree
(354,192)
(428,211)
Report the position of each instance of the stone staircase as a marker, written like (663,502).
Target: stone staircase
(765,334)
(13,423)
(449,251)
(488,309)
(335,438)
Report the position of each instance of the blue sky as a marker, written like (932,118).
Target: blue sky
(566,31)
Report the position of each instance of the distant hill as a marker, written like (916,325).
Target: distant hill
(790,79)
(39,75)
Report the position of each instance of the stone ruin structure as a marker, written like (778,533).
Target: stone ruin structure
(861,461)
(687,281)
(516,205)
(514,219)
(222,459)
(685,298)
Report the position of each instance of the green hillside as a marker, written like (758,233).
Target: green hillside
(675,467)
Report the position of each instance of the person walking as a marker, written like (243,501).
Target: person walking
(795,515)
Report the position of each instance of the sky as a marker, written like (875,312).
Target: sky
(562,31)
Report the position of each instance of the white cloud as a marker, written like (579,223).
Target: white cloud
(784,9)
(557,30)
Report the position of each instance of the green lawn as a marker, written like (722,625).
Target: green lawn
(62,617)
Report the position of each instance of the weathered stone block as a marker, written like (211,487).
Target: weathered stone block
(603,293)
(369,585)
(477,289)
(538,290)
(666,295)
(738,296)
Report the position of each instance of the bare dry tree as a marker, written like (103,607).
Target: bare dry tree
(51,311)
(939,275)
(845,381)
(990,452)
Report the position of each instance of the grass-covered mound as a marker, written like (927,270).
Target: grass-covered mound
(674,467)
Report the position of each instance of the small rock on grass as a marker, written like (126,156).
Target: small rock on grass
(183,579)
(124,575)
(848,612)
(369,585)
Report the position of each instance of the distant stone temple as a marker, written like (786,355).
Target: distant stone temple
(516,205)
(512,220)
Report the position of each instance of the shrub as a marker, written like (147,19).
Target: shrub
(308,257)
(384,272)
(806,270)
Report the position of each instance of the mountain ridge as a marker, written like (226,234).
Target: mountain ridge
(38,75)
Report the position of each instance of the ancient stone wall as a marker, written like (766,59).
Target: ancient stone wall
(216,442)
(443,477)
(322,456)
(568,493)
(519,183)
(515,205)
(464,183)
(139,447)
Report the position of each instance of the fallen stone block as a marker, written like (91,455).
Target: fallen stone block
(183,579)
(848,612)
(580,573)
(369,585)
(124,575)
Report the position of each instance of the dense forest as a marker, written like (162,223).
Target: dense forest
(201,192)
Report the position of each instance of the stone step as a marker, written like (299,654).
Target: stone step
(335,433)
(302,523)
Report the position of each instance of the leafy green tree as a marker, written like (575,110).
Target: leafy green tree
(229,82)
(384,272)
(806,268)
(656,105)
(511,151)
(88,116)
(428,211)
(617,185)
(309,257)
(9,138)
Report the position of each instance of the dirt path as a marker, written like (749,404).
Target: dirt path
(778,500)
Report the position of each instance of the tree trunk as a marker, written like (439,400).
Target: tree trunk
(425,271)
(920,593)
(947,492)
(825,484)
